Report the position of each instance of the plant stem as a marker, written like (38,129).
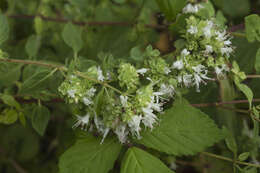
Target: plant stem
(238,34)
(230,160)
(59,67)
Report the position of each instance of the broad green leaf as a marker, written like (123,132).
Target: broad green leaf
(8,116)
(10,101)
(89,156)
(247,91)
(71,34)
(4,29)
(183,130)
(234,8)
(40,118)
(140,161)
(245,54)
(257,61)
(32,45)
(171,7)
(252,23)
(243,156)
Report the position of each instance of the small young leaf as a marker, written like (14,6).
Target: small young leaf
(9,116)
(10,101)
(89,156)
(247,91)
(230,141)
(4,29)
(32,45)
(171,7)
(40,118)
(183,130)
(71,34)
(257,61)
(243,156)
(252,23)
(139,161)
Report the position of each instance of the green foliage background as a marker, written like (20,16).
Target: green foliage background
(35,124)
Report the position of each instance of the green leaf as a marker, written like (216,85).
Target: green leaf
(140,161)
(10,101)
(40,118)
(4,29)
(183,130)
(9,116)
(252,24)
(32,45)
(9,74)
(36,81)
(71,34)
(230,141)
(243,156)
(89,156)
(207,11)
(171,7)
(257,61)
(247,91)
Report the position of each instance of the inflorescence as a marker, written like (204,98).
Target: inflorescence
(204,54)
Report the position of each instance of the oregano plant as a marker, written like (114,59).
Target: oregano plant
(127,86)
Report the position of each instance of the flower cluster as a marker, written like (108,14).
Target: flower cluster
(207,49)
(144,91)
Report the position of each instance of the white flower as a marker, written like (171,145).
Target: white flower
(100,74)
(199,75)
(121,133)
(105,132)
(71,93)
(200,68)
(187,80)
(207,29)
(221,36)
(167,70)
(178,65)
(227,42)
(220,71)
(209,49)
(108,76)
(149,117)
(123,100)
(167,90)
(87,101)
(82,121)
(91,92)
(179,79)
(142,71)
(185,52)
(192,30)
(226,50)
(189,8)
(134,125)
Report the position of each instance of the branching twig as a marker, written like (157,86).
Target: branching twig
(230,160)
(81,23)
